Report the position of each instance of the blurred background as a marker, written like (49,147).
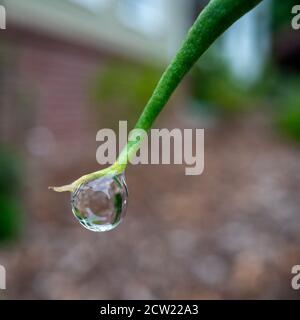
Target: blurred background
(71,67)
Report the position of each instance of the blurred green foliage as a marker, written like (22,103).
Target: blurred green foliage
(213,85)
(279,91)
(287,117)
(10,171)
(120,91)
(10,181)
(220,95)
(10,222)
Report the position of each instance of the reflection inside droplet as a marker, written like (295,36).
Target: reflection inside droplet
(100,205)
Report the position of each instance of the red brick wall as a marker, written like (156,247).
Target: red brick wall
(49,78)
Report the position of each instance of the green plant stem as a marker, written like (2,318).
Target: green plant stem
(216,17)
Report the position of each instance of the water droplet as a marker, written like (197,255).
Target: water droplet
(100,205)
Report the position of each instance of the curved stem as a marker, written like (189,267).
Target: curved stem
(216,17)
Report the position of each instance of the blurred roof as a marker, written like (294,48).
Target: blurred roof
(144,29)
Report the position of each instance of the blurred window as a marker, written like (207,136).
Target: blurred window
(145,16)
(93,5)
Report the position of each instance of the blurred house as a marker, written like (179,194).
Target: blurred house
(51,51)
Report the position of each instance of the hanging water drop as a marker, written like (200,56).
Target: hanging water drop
(100,205)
